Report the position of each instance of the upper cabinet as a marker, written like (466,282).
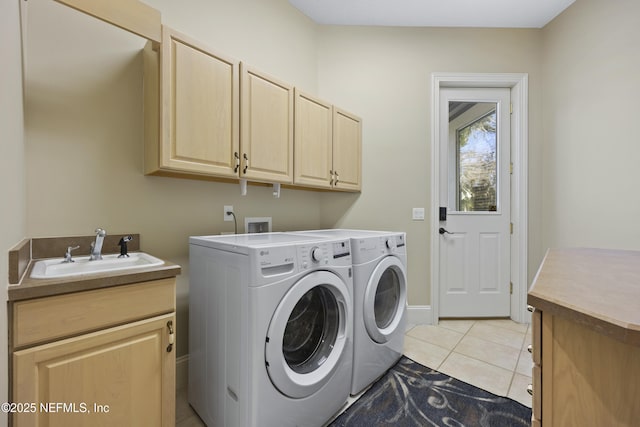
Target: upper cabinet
(328,145)
(347,150)
(210,116)
(191,108)
(313,142)
(266,134)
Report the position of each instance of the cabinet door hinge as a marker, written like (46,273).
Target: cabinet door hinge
(511,168)
(510,108)
(510,288)
(511,227)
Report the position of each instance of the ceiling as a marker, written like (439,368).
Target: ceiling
(434,13)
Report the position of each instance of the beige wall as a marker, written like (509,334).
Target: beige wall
(384,74)
(12,191)
(591,142)
(84,128)
(84,125)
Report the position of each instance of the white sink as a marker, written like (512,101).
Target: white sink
(51,268)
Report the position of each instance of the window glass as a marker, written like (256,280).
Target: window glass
(387,298)
(311,330)
(476,161)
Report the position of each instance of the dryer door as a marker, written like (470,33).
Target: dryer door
(385,299)
(308,336)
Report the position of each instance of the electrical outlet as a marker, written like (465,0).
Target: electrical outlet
(228,209)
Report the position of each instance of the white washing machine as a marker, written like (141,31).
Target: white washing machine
(380,300)
(270,329)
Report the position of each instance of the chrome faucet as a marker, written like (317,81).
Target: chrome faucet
(96,247)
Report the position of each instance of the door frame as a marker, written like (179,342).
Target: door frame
(519,85)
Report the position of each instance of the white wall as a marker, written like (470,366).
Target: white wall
(591,110)
(12,191)
(384,75)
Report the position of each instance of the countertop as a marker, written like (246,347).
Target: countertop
(23,256)
(35,288)
(598,288)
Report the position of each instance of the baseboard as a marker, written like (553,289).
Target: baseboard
(182,371)
(419,315)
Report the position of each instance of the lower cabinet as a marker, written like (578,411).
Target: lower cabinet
(117,375)
(582,377)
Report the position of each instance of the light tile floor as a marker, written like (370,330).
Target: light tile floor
(489,354)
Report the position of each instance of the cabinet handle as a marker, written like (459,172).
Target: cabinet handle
(331,180)
(246,163)
(337,176)
(171,336)
(530,348)
(530,389)
(237,157)
(531,308)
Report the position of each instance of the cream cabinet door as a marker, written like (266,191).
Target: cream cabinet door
(347,150)
(266,135)
(313,142)
(122,376)
(199,95)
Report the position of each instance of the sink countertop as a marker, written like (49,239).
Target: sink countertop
(21,265)
(598,288)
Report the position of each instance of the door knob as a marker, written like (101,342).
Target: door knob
(443,231)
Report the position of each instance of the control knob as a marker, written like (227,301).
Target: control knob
(316,254)
(391,244)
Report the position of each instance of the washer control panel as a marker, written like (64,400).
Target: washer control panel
(336,253)
(394,243)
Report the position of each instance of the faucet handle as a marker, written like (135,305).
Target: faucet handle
(67,255)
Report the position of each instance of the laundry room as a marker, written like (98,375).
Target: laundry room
(76,119)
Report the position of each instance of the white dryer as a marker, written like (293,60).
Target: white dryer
(270,329)
(380,300)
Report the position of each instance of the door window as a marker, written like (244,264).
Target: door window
(311,330)
(476,158)
(387,298)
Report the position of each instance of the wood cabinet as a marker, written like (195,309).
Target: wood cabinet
(586,339)
(102,357)
(266,135)
(328,145)
(191,96)
(347,150)
(209,116)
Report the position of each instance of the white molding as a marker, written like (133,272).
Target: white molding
(182,371)
(519,84)
(419,315)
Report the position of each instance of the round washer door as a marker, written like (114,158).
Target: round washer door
(385,299)
(307,336)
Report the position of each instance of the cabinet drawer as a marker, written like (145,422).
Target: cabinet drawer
(46,319)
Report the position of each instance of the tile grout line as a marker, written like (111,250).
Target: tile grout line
(512,371)
(454,347)
(513,374)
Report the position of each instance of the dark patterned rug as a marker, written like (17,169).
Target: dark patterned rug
(411,395)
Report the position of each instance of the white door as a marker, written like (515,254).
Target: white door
(475,220)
